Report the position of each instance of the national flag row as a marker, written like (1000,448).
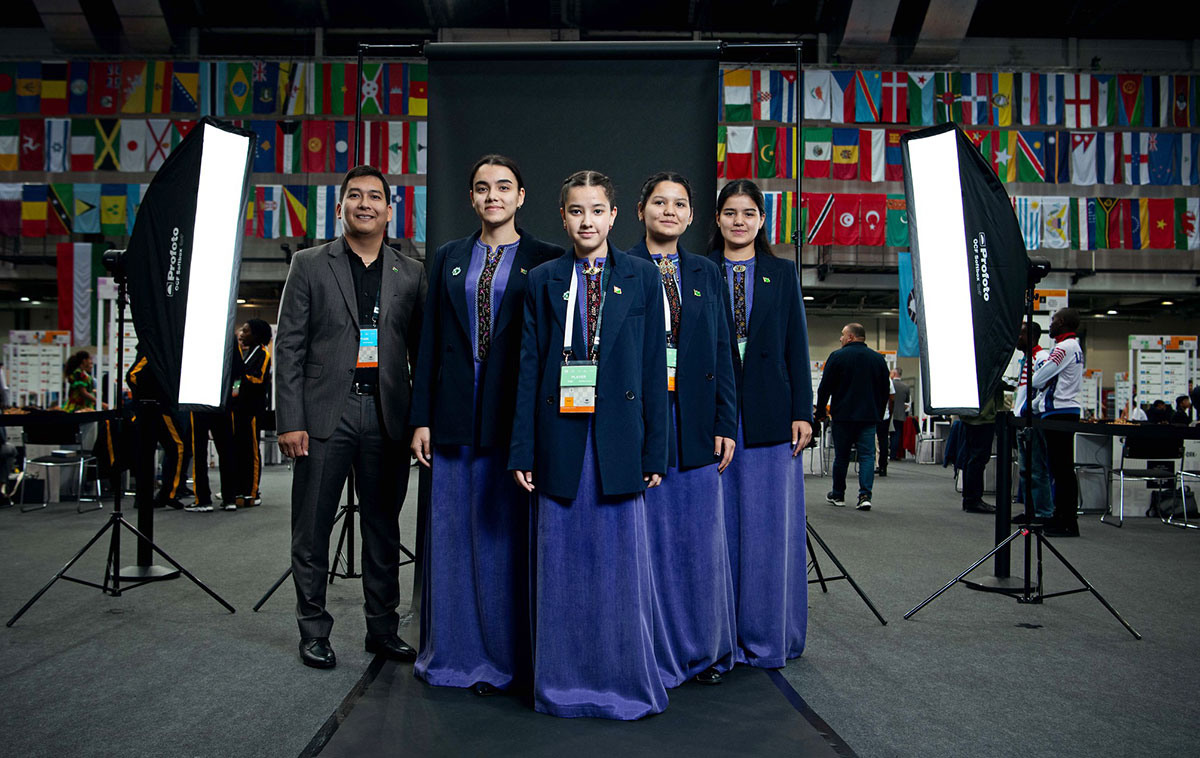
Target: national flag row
(216,88)
(1092,223)
(925,98)
(763,152)
(272,211)
(139,145)
(1055,157)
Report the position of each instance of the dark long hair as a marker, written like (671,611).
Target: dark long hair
(588,178)
(495,159)
(750,190)
(75,361)
(663,176)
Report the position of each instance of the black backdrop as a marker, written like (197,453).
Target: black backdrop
(625,109)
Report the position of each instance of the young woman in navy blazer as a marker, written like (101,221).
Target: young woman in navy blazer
(474,614)
(694,634)
(593,602)
(763,488)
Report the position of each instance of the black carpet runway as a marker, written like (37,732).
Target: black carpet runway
(753,713)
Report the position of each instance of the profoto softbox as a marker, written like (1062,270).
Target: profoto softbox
(969,268)
(184,261)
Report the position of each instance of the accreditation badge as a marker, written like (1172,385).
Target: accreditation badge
(368,348)
(672,358)
(577,387)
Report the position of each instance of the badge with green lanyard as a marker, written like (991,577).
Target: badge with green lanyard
(577,379)
(368,341)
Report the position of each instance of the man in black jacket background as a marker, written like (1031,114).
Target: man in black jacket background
(855,384)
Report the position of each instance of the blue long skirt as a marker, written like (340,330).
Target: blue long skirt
(763,490)
(593,608)
(475,612)
(685,519)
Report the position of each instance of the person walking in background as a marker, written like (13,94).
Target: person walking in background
(882,430)
(901,409)
(249,401)
(855,386)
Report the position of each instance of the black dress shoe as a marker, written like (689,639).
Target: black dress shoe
(391,647)
(978,506)
(709,676)
(880,472)
(317,652)
(483,689)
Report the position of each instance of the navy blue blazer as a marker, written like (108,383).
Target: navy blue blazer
(631,393)
(444,383)
(775,384)
(704,384)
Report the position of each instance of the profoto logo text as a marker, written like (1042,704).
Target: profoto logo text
(983,280)
(175,268)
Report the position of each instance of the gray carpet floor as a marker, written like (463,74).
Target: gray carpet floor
(164,670)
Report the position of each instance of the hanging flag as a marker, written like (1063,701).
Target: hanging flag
(1181,99)
(1083,223)
(1083,158)
(58,144)
(787,157)
(819,214)
(33,210)
(847,227)
(159,83)
(766,152)
(158,142)
(10,209)
(1002,99)
(1188,144)
(909,344)
(920,98)
(373,145)
(897,221)
(722,137)
(1058,157)
(1110,166)
(104,88)
(1105,88)
(396,98)
(316,136)
(264,146)
(134,193)
(772,210)
(785,106)
(374,89)
(947,105)
(54,88)
(76,289)
(403,199)
(1004,157)
(1029,217)
(180,128)
(1056,229)
(133,144)
(79,75)
(873,212)
(8,89)
(418,89)
(817,85)
(1160,222)
(294,85)
(894,107)
(29,87)
(842,107)
(1138,236)
(294,218)
(893,157)
(739,152)
(113,209)
(976,98)
(10,142)
(1130,99)
(185,87)
(818,146)
(108,144)
(323,223)
(288,152)
(737,95)
(1164,149)
(33,145)
(133,87)
(1109,223)
(845,154)
(335,88)
(1079,99)
(1136,155)
(1187,231)
(341,146)
(265,87)
(239,94)
(790,230)
(1028,98)
(87,209)
(1052,99)
(872,158)
(268,201)
(868,91)
(60,200)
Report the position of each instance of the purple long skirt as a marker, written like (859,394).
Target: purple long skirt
(764,517)
(475,612)
(685,519)
(594,600)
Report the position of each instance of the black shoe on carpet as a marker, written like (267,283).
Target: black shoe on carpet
(834,499)
(317,653)
(864,503)
(483,689)
(709,676)
(978,506)
(390,647)
(1025,518)
(880,472)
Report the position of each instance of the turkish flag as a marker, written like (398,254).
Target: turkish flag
(873,216)
(846,219)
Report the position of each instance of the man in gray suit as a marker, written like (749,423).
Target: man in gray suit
(349,324)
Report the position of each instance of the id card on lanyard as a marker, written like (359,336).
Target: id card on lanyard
(368,341)
(577,379)
(672,353)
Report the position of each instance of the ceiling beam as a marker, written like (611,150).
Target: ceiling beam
(67,26)
(868,30)
(943,31)
(145,27)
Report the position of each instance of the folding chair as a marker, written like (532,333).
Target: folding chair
(1162,451)
(65,436)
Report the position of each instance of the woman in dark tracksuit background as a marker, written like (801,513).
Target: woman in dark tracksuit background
(763,488)
(587,464)
(694,631)
(474,614)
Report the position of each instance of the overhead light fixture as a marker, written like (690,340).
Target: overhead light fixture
(808,297)
(35,302)
(1111,312)
(241,301)
(24,300)
(1168,302)
(1100,315)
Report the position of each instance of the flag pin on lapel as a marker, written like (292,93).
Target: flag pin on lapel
(766,280)
(523,271)
(696,293)
(567,295)
(616,290)
(395,270)
(457,270)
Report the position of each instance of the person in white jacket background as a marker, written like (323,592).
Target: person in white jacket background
(1059,379)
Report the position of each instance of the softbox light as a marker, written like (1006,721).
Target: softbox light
(969,268)
(184,261)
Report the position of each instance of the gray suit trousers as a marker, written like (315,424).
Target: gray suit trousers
(381,467)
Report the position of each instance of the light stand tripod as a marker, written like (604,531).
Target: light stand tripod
(345,514)
(823,580)
(116,520)
(1028,591)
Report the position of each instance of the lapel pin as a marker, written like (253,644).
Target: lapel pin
(456,271)
(567,295)
(523,271)
(395,270)
(766,280)
(696,293)
(616,290)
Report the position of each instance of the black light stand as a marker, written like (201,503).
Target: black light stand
(116,520)
(1029,591)
(823,580)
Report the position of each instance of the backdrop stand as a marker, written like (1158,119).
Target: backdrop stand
(116,520)
(823,580)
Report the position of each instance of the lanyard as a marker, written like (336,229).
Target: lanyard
(252,352)
(674,274)
(375,311)
(572,299)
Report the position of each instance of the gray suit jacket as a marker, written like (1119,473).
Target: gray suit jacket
(316,342)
